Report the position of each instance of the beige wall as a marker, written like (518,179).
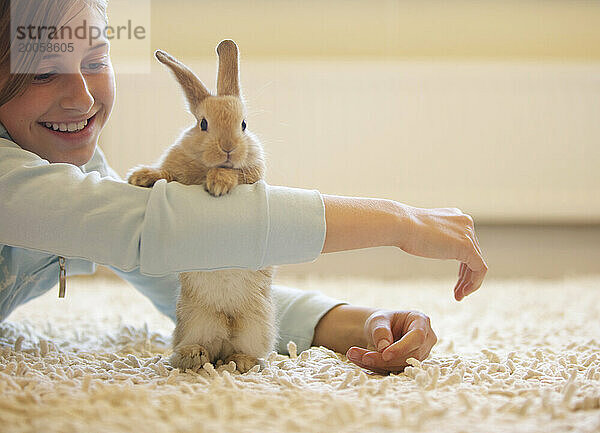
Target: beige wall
(389,29)
(506,142)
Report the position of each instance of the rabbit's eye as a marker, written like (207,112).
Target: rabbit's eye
(243,125)
(204,124)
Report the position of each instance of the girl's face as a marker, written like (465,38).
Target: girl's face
(70,89)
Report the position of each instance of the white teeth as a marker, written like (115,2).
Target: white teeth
(76,126)
(64,127)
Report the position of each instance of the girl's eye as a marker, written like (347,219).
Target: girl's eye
(204,124)
(243,125)
(40,78)
(96,66)
(97,63)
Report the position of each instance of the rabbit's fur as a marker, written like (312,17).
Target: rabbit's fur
(224,314)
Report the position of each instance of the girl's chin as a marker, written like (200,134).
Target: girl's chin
(78,156)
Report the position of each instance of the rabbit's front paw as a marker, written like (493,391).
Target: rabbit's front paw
(146,176)
(242,361)
(192,356)
(220,181)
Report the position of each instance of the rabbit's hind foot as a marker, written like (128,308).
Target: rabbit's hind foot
(243,362)
(192,356)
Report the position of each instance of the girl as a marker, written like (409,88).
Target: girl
(63,209)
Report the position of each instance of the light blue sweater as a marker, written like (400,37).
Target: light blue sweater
(148,235)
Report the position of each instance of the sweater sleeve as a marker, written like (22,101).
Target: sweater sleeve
(58,208)
(298,312)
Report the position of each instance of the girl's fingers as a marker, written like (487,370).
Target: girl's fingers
(458,292)
(464,290)
(373,369)
(358,355)
(461,279)
(411,341)
(417,340)
(476,265)
(468,281)
(373,360)
(461,274)
(469,290)
(473,285)
(379,330)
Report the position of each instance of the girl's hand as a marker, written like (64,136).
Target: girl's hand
(392,338)
(445,233)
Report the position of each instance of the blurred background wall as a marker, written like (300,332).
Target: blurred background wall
(489,106)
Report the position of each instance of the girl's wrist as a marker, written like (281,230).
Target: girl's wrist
(357,222)
(342,327)
(403,223)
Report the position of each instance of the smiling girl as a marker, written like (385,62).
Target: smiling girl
(63,208)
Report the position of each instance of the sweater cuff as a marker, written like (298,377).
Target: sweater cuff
(297,227)
(299,311)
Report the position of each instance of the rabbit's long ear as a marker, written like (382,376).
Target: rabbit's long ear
(195,91)
(228,76)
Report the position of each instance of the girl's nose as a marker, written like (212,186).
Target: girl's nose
(77,95)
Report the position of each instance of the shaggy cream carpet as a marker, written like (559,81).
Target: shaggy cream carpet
(517,356)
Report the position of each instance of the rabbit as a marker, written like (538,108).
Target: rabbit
(228,314)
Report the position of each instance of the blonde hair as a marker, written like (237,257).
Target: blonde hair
(37,13)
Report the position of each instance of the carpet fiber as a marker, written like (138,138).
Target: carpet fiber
(517,356)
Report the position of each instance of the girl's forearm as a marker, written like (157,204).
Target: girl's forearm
(357,222)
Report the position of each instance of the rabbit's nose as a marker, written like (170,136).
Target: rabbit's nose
(227,147)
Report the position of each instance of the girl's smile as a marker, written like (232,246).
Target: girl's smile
(72,130)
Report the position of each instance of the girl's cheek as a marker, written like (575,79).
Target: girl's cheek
(21,112)
(104,89)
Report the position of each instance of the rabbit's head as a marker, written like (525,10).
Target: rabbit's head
(220,137)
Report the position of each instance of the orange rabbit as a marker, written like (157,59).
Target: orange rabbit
(223,314)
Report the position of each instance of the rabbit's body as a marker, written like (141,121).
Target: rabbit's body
(229,313)
(223,314)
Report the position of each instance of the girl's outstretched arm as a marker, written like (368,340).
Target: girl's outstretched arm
(439,233)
